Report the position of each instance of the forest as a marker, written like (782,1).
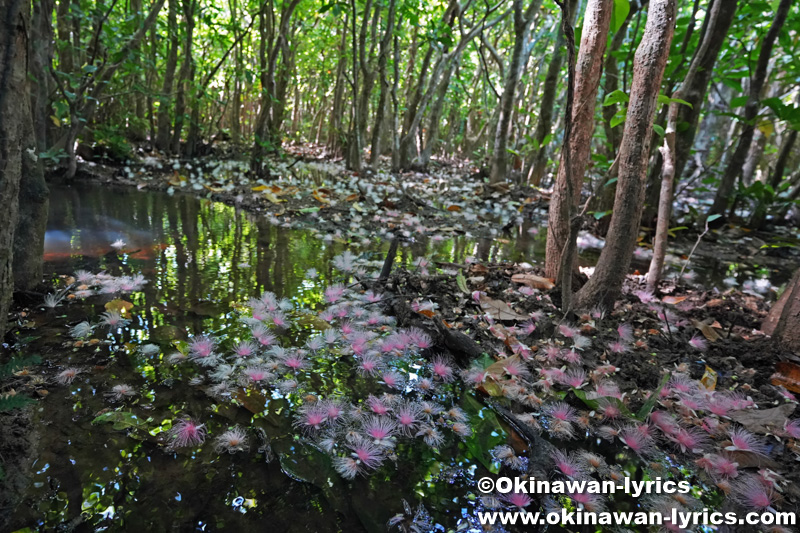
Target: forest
(334,265)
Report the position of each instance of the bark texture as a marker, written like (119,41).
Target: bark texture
(13,149)
(783,321)
(587,79)
(605,285)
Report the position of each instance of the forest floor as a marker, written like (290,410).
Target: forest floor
(709,335)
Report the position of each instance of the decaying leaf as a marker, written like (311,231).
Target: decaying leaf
(499,310)
(787,375)
(707,330)
(672,300)
(533,281)
(764,420)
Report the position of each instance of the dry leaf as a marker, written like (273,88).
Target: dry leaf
(499,310)
(764,420)
(533,281)
(787,375)
(672,300)
(353,197)
(321,196)
(707,330)
(454,208)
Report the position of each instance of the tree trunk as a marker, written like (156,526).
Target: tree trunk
(604,286)
(734,167)
(668,150)
(545,123)
(184,77)
(759,215)
(13,146)
(522,19)
(594,37)
(162,133)
(783,321)
(383,97)
(41,59)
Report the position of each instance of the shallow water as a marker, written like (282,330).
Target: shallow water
(201,259)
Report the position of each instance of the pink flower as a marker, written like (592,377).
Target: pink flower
(567,330)
(575,378)
(560,411)
(519,500)
(792,428)
(419,338)
(369,365)
(688,440)
(294,361)
(245,349)
(568,465)
(186,432)
(379,428)
(408,416)
(618,347)
(751,493)
(744,441)
(378,406)
(311,418)
(366,453)
(202,346)
(515,369)
(665,422)
(698,343)
(392,379)
(67,376)
(625,332)
(334,293)
(636,441)
(609,410)
(257,374)
(441,369)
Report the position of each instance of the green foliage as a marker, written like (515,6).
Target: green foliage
(620,13)
(18,363)
(18,401)
(117,146)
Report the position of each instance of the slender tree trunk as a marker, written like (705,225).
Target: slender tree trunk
(162,133)
(604,286)
(383,97)
(759,215)
(594,37)
(396,107)
(668,151)
(498,167)
(734,167)
(545,123)
(185,76)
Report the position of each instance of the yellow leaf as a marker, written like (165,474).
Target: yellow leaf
(213,189)
(766,127)
(119,305)
(272,198)
(55,120)
(260,188)
(321,196)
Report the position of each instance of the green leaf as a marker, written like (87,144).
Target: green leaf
(739,101)
(461,282)
(600,214)
(651,401)
(620,13)
(486,432)
(712,218)
(658,129)
(618,118)
(615,97)
(662,99)
(120,419)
